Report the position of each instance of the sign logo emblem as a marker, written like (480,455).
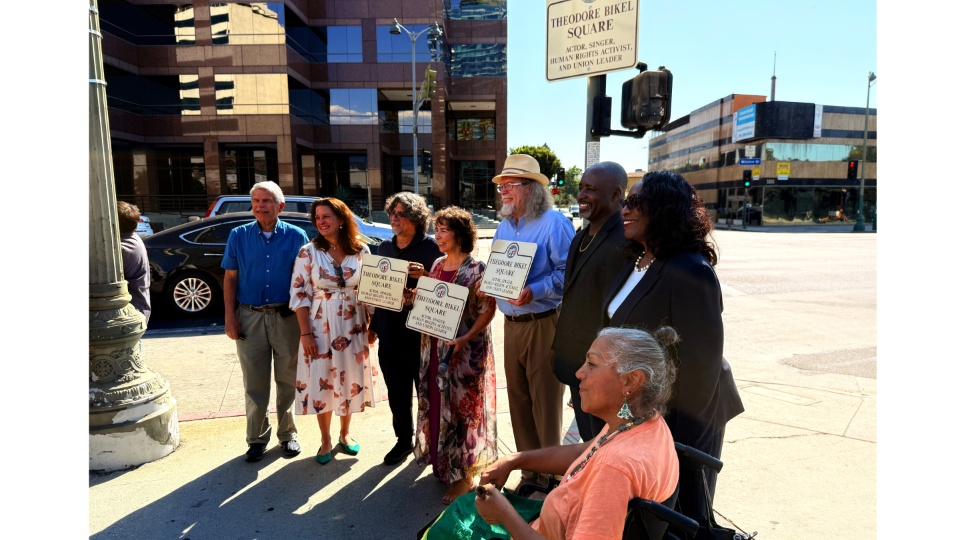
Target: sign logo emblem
(512,250)
(441,290)
(384,265)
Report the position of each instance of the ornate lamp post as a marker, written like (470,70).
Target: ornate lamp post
(416,101)
(858,226)
(133,417)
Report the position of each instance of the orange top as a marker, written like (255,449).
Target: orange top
(640,462)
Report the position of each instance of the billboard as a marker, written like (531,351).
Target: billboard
(745,123)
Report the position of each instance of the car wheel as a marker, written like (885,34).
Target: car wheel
(193,293)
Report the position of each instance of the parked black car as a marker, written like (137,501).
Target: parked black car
(185,260)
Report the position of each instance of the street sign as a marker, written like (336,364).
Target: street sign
(593,153)
(756,173)
(783,170)
(591,37)
(749,161)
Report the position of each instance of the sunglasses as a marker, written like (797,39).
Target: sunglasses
(632,202)
(340,281)
(397,215)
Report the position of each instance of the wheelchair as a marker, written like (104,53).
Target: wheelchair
(657,520)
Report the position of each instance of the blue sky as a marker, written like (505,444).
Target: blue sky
(824,50)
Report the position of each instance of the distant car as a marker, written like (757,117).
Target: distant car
(575,210)
(185,260)
(143,227)
(567,213)
(226,204)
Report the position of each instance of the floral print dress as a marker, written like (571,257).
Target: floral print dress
(467,426)
(342,379)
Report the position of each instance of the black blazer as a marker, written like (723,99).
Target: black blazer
(586,279)
(682,291)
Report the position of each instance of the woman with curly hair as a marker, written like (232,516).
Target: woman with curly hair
(457,410)
(334,371)
(668,279)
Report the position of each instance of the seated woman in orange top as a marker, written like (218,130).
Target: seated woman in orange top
(625,381)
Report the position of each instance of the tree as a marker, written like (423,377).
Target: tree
(549,162)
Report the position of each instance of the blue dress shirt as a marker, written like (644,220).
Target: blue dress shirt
(552,232)
(265,264)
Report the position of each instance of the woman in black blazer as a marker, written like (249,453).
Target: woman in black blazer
(668,279)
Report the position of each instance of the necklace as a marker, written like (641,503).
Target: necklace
(584,247)
(603,440)
(639,268)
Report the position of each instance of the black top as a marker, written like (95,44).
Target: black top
(586,280)
(391,326)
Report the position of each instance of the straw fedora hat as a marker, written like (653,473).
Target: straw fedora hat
(521,166)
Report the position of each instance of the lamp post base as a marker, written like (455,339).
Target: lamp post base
(858,226)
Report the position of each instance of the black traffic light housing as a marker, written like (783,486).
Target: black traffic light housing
(600,123)
(561,174)
(747,176)
(426,162)
(852,169)
(645,99)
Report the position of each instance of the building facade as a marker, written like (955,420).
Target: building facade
(208,98)
(798,156)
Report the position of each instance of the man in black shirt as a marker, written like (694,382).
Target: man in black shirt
(399,350)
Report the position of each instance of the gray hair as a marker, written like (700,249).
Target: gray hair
(416,208)
(270,186)
(633,349)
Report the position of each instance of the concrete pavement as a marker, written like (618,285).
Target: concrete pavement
(800,463)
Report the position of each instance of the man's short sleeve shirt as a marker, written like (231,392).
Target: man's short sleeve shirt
(265,265)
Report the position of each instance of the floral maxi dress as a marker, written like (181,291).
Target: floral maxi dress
(342,379)
(466,439)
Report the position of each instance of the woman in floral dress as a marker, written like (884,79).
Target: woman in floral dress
(456,419)
(334,370)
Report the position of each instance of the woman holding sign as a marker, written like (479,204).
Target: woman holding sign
(334,371)
(456,417)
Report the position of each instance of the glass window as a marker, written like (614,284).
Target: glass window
(473,10)
(474,129)
(217,234)
(152,95)
(478,60)
(256,23)
(816,152)
(353,106)
(396,48)
(264,93)
(181,179)
(155,24)
(323,44)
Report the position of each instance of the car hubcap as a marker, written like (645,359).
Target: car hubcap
(192,294)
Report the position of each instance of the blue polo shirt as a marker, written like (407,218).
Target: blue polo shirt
(552,233)
(265,265)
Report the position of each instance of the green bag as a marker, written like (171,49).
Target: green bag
(460,521)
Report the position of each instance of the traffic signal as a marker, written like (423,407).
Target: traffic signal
(645,99)
(560,176)
(429,83)
(600,123)
(852,169)
(426,162)
(747,176)
(554,191)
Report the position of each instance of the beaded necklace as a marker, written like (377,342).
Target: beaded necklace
(603,440)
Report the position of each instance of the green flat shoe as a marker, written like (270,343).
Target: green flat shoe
(323,459)
(351,449)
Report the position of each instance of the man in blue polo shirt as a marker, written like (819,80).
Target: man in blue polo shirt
(259,264)
(533,391)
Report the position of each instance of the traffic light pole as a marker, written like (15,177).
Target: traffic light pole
(858,226)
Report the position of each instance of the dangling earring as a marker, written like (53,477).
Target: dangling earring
(625,412)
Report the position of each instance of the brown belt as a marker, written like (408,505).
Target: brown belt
(527,317)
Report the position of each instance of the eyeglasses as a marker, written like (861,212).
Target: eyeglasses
(632,202)
(340,281)
(512,185)
(397,215)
